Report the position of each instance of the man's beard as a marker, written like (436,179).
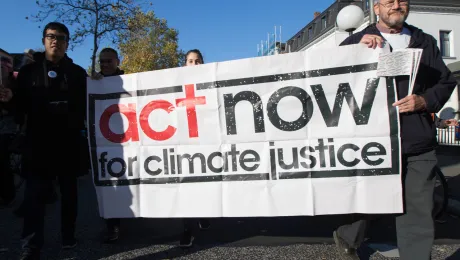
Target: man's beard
(393,22)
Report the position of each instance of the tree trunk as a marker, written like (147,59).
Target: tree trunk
(93,57)
(95,46)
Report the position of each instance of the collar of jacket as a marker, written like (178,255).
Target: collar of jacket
(40,57)
(418,37)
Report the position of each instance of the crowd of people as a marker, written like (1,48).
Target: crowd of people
(43,110)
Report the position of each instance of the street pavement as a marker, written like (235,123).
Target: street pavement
(228,238)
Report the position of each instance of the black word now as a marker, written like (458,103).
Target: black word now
(331,117)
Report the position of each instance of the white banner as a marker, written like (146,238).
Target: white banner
(307,133)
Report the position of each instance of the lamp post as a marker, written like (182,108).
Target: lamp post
(350,18)
(372,17)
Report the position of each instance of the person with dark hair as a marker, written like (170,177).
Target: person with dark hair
(7,129)
(192,58)
(51,107)
(109,62)
(433,87)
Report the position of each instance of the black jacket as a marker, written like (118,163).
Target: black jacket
(55,108)
(434,82)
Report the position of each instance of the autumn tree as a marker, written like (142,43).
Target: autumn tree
(149,44)
(99,19)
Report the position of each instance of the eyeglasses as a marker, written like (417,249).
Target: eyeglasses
(392,3)
(53,37)
(108,61)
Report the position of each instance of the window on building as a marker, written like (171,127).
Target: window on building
(310,32)
(324,22)
(367,5)
(446,43)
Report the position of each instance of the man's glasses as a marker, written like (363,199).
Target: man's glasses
(392,3)
(53,37)
(108,61)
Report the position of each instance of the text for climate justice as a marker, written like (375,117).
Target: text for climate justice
(168,162)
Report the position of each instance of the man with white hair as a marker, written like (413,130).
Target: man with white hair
(433,87)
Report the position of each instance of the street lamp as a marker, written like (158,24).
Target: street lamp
(350,18)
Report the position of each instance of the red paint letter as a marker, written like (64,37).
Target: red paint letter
(144,120)
(130,113)
(190,101)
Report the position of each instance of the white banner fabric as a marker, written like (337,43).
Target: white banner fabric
(306,133)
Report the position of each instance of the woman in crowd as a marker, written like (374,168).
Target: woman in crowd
(192,58)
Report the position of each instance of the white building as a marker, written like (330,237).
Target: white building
(441,19)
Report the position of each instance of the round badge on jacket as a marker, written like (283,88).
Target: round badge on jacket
(52,74)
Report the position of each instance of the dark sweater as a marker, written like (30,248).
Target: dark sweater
(55,108)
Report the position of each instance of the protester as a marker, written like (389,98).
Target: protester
(109,62)
(7,129)
(192,58)
(433,87)
(17,142)
(51,101)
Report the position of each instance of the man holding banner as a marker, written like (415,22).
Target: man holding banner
(433,86)
(109,62)
(51,101)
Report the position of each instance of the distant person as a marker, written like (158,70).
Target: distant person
(51,99)
(433,88)
(109,62)
(192,58)
(17,142)
(8,128)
